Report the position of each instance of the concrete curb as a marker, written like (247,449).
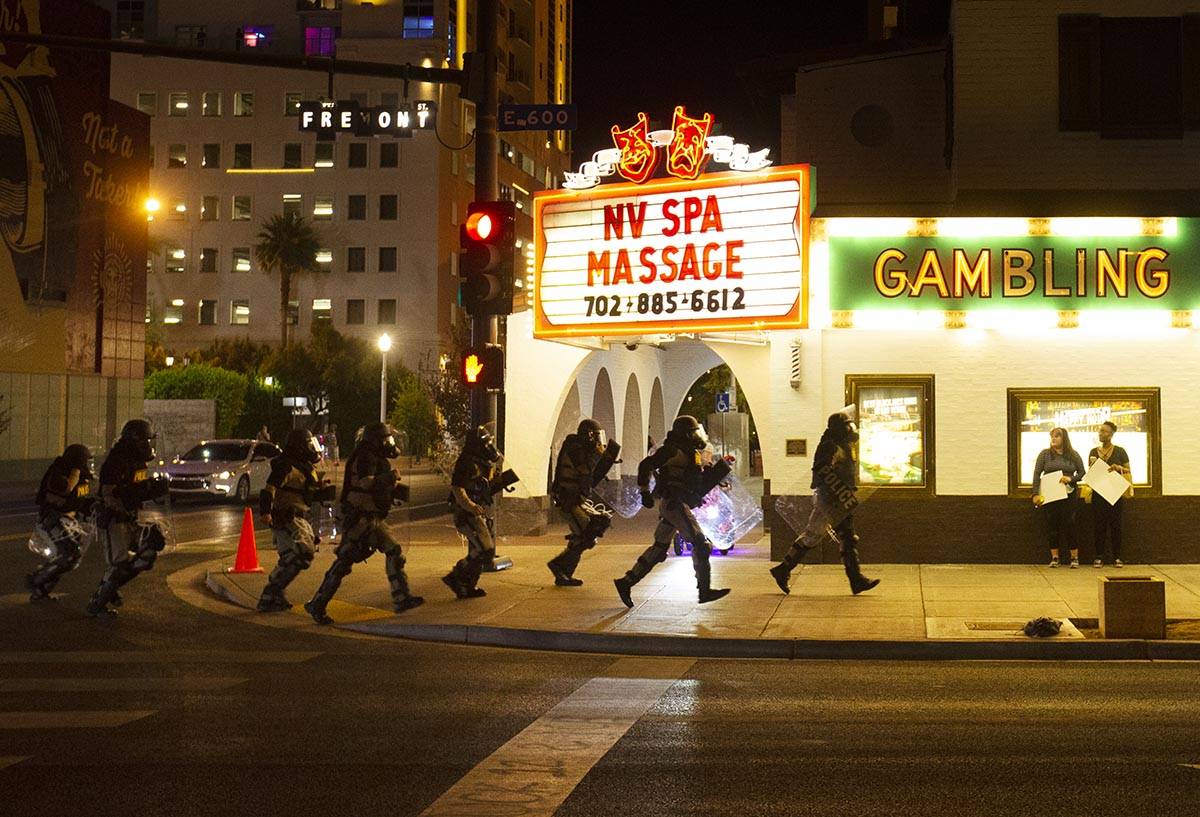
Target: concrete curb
(779,648)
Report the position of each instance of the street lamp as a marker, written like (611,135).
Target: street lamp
(384,343)
(151,206)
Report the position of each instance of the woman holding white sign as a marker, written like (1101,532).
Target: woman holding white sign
(1106,518)
(1064,460)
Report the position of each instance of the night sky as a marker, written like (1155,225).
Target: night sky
(652,55)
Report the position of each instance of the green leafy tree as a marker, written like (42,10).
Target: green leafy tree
(236,354)
(414,415)
(227,389)
(287,246)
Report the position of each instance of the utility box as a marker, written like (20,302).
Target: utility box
(1133,607)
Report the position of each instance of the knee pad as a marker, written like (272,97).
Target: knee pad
(596,527)
(396,557)
(300,560)
(151,538)
(701,548)
(143,561)
(658,553)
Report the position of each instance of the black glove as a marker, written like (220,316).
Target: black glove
(647,499)
(612,450)
(158,487)
(325,493)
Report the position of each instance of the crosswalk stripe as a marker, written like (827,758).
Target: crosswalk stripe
(12,760)
(98,719)
(164,684)
(534,773)
(158,657)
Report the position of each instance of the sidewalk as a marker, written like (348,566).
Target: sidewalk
(953,606)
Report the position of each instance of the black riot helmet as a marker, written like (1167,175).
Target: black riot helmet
(302,446)
(687,431)
(841,427)
(140,434)
(590,432)
(380,438)
(481,445)
(77,456)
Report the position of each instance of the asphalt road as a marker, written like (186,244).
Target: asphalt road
(174,709)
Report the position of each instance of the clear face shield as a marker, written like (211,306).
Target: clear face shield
(601,440)
(314,450)
(701,436)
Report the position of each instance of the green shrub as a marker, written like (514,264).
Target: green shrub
(200,382)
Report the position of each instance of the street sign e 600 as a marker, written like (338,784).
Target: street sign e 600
(538,117)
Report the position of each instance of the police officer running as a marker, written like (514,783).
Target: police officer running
(62,497)
(477,478)
(584,460)
(284,502)
(125,484)
(681,482)
(369,490)
(835,484)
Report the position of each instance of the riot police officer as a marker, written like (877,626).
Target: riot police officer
(63,496)
(681,482)
(477,478)
(835,484)
(369,490)
(125,484)
(584,459)
(284,502)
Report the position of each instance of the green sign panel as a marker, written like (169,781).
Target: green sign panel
(1022,271)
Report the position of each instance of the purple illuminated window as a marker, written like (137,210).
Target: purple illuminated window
(320,41)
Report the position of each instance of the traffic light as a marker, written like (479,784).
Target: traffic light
(488,258)
(483,367)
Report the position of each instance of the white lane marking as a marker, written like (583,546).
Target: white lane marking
(185,683)
(1190,765)
(98,719)
(534,773)
(12,760)
(158,657)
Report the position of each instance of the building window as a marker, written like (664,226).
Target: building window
(207,313)
(387,259)
(356,208)
(177,156)
(1033,413)
(322,309)
(177,103)
(257,36)
(239,312)
(325,260)
(176,258)
(293,313)
(130,22)
(291,103)
(320,41)
(895,426)
(389,100)
(323,154)
(190,36)
(387,311)
(358,154)
(356,259)
(388,207)
(356,311)
(208,259)
(147,102)
(293,154)
(243,155)
(210,208)
(173,312)
(211,156)
(210,103)
(241,259)
(291,204)
(389,154)
(418,19)
(323,208)
(243,103)
(241,208)
(177,210)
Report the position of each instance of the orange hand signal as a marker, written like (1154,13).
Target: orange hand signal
(472,368)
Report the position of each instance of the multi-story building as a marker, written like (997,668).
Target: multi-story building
(228,153)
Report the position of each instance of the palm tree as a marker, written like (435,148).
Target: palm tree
(287,245)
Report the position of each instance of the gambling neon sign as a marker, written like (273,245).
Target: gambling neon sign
(688,148)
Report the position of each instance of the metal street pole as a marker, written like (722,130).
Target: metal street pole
(385,343)
(487,185)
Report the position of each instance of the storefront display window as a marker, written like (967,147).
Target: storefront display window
(895,425)
(1032,413)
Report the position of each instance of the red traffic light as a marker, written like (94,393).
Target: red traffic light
(480,226)
(482,367)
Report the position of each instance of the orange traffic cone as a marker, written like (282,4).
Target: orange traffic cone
(247,552)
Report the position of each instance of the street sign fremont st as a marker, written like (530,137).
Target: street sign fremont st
(538,117)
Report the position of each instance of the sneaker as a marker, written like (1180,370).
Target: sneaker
(1054,561)
(1074,564)
(1118,563)
(1098,563)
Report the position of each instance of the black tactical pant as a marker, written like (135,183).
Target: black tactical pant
(480,533)
(586,526)
(674,515)
(295,543)
(364,535)
(1106,524)
(131,549)
(828,520)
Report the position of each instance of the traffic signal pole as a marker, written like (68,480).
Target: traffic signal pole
(485,405)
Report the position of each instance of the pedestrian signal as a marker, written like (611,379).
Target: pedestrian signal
(483,367)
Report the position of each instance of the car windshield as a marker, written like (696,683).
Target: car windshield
(220,452)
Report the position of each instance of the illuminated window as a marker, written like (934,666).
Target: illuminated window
(291,204)
(243,103)
(210,208)
(177,104)
(210,156)
(389,154)
(190,36)
(177,156)
(173,312)
(322,309)
(243,155)
(210,103)
(241,259)
(208,259)
(323,154)
(358,154)
(320,41)
(293,313)
(895,426)
(323,208)
(387,311)
(239,312)
(325,260)
(389,207)
(418,19)
(356,311)
(207,313)
(1032,413)
(177,210)
(293,154)
(257,36)
(291,103)
(356,259)
(176,258)
(147,102)
(387,259)
(241,208)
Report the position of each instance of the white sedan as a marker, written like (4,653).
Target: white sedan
(222,468)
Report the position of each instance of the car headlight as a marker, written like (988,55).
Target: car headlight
(223,475)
